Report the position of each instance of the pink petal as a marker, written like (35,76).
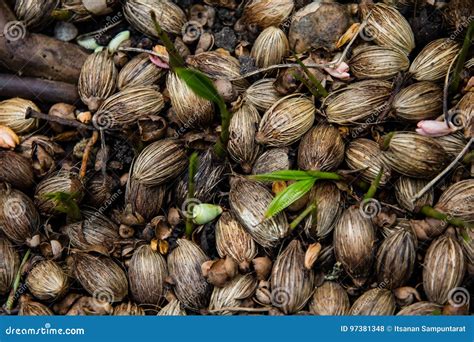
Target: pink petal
(159,62)
(433,128)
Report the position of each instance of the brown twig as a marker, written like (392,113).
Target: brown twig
(30,113)
(87,152)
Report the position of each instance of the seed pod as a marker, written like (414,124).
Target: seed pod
(378,62)
(443,269)
(173,308)
(47,281)
(232,240)
(406,188)
(249,201)
(388,28)
(264,13)
(95,230)
(207,178)
(12,115)
(19,218)
(270,47)
(34,14)
(9,263)
(329,299)
(159,162)
(328,199)
(401,223)
(128,309)
(421,309)
(184,265)
(145,200)
(292,283)
(191,110)
(127,107)
(375,302)
(458,201)
(321,148)
(365,155)
(31,308)
(432,63)
(466,240)
(16,170)
(452,143)
(41,152)
(262,94)
(419,101)
(274,159)
(232,295)
(462,115)
(146,273)
(318,26)
(140,71)
(101,190)
(396,258)
(101,277)
(286,121)
(242,129)
(66,182)
(354,242)
(359,102)
(170,16)
(415,155)
(97,79)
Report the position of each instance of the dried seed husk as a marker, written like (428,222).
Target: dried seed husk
(19,218)
(126,107)
(321,148)
(262,94)
(249,201)
(159,162)
(462,115)
(208,176)
(286,121)
(406,188)
(421,309)
(443,268)
(191,110)
(169,15)
(270,47)
(328,200)
(147,271)
(433,61)
(101,277)
(395,260)
(415,155)
(42,153)
(329,299)
(128,309)
(365,155)
(354,243)
(9,263)
(184,266)
(233,294)
(292,283)
(265,13)
(16,170)
(97,79)
(419,101)
(274,159)
(378,62)
(35,13)
(453,143)
(173,308)
(12,115)
(400,223)
(30,308)
(101,189)
(318,26)
(388,28)
(359,102)
(145,200)
(466,240)
(232,240)
(242,146)
(375,302)
(63,181)
(47,281)
(139,71)
(458,201)
(94,230)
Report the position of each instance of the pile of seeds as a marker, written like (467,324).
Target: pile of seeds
(242,157)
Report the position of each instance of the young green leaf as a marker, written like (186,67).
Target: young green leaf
(374,185)
(66,203)
(310,209)
(319,87)
(192,169)
(288,196)
(175,58)
(286,175)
